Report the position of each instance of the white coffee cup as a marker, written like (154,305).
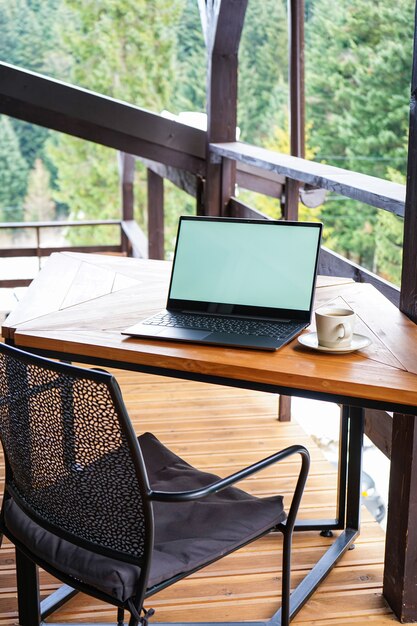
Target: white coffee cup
(335,326)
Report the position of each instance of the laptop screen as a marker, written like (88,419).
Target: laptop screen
(241,266)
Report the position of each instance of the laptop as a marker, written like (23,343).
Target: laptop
(238,282)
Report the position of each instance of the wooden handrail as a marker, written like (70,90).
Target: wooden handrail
(374,191)
(132,241)
(63,107)
(137,240)
(58,224)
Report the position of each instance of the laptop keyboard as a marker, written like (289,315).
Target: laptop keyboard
(226,324)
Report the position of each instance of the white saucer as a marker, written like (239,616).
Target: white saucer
(358,342)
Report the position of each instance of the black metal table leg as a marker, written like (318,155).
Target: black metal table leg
(354,476)
(349,504)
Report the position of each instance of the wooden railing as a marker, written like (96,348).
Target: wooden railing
(132,242)
(184,156)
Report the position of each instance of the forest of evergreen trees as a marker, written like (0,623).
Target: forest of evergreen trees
(151,54)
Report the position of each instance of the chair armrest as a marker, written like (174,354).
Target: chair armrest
(195,494)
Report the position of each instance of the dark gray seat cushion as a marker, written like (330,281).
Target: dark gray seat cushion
(187,535)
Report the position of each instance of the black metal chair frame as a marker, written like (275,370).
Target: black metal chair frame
(32,612)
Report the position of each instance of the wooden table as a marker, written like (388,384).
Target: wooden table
(79,303)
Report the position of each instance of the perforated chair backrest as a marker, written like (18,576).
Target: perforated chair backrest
(73,462)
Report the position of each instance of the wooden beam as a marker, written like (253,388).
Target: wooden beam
(239,209)
(18,282)
(378,427)
(296,76)
(267,183)
(374,191)
(180,178)
(225,20)
(91,116)
(408,299)
(292,194)
(400,575)
(247,177)
(58,224)
(228,184)
(137,241)
(127,177)
(296,82)
(155,215)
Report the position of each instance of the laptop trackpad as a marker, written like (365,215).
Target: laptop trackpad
(188,334)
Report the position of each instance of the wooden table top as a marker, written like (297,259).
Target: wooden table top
(79,303)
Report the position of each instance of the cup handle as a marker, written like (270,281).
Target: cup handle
(346,331)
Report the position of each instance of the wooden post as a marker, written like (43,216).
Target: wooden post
(292,189)
(228,182)
(400,573)
(296,77)
(297,129)
(297,100)
(199,196)
(222,22)
(155,215)
(126,176)
(408,295)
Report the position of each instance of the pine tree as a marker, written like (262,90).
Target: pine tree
(125,50)
(359,57)
(191,60)
(28,39)
(263,69)
(13,174)
(38,204)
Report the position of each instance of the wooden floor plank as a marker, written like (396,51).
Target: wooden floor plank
(222,429)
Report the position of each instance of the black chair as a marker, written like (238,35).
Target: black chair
(115,516)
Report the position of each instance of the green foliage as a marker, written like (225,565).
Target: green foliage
(38,203)
(190,78)
(358,74)
(28,39)
(263,68)
(125,50)
(389,238)
(21,42)
(358,71)
(88,182)
(389,241)
(13,174)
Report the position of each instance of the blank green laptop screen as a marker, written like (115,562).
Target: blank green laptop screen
(253,264)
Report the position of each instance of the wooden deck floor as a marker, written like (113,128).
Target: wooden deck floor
(224,429)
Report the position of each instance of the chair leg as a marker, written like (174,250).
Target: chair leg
(27,591)
(286,578)
(120,616)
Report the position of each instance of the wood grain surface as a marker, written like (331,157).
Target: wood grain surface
(80,303)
